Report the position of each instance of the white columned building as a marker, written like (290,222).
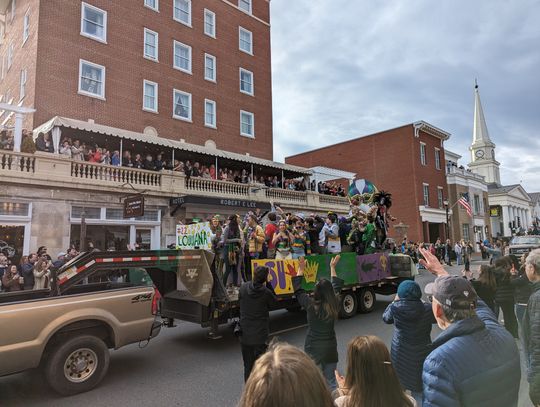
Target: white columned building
(510,205)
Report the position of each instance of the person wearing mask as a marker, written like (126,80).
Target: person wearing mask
(531,327)
(282,241)
(285,377)
(322,311)
(504,294)
(411,342)
(27,271)
(370,378)
(254,236)
(232,244)
(12,280)
(329,236)
(301,245)
(474,354)
(485,286)
(255,299)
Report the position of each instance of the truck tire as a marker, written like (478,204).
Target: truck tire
(366,300)
(348,305)
(77,365)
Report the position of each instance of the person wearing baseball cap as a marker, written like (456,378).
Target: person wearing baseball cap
(474,361)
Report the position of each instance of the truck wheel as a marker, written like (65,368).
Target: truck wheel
(366,300)
(77,365)
(349,305)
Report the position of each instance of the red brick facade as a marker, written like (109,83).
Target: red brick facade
(55,46)
(391,160)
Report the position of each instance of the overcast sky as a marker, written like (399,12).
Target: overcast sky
(344,68)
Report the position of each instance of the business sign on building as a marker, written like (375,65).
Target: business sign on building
(194,236)
(495,211)
(134,206)
(223,202)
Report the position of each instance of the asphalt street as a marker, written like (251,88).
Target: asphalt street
(181,367)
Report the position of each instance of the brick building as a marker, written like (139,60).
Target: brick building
(407,161)
(193,70)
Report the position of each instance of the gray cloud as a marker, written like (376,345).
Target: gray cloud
(342,69)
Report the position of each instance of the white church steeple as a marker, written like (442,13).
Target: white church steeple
(483,149)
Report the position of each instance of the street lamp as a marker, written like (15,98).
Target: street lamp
(447,208)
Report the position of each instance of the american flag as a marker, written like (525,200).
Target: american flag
(464,201)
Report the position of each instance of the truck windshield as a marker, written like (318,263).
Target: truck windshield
(532,240)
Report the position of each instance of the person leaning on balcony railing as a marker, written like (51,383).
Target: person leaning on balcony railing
(65,150)
(27,145)
(77,151)
(44,143)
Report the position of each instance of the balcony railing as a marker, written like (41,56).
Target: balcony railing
(56,171)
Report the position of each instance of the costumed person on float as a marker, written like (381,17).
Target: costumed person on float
(369,237)
(360,196)
(383,202)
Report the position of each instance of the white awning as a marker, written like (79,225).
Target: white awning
(92,127)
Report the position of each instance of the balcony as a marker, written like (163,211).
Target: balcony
(463,172)
(52,171)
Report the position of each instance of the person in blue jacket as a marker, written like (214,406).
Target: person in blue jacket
(411,342)
(475,361)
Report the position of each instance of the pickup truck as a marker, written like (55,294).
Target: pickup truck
(92,305)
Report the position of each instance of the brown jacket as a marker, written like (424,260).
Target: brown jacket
(10,282)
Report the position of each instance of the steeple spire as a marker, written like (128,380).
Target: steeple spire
(480,132)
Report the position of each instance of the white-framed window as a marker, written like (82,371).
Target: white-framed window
(151,44)
(437,158)
(26,26)
(210,113)
(210,23)
(182,57)
(22,87)
(423,160)
(10,56)
(247,124)
(210,68)
(91,79)
(425,188)
(440,197)
(245,5)
(182,11)
(465,228)
(245,40)
(93,22)
(152,4)
(181,105)
(150,96)
(476,203)
(246,82)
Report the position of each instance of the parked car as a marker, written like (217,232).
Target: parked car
(524,244)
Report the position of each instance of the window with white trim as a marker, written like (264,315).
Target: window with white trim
(152,4)
(210,113)
(10,56)
(246,82)
(465,229)
(91,79)
(181,105)
(22,86)
(247,124)
(245,40)
(425,188)
(437,158)
(423,154)
(210,23)
(182,11)
(245,5)
(440,197)
(151,43)
(93,22)
(210,67)
(26,26)
(150,96)
(182,57)
(476,205)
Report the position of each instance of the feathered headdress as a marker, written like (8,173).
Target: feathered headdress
(383,198)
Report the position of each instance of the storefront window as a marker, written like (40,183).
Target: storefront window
(102,237)
(13,209)
(89,213)
(12,242)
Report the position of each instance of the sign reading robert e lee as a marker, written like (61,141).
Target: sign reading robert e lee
(134,206)
(233,203)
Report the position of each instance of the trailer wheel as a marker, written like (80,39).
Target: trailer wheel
(349,305)
(77,365)
(366,300)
